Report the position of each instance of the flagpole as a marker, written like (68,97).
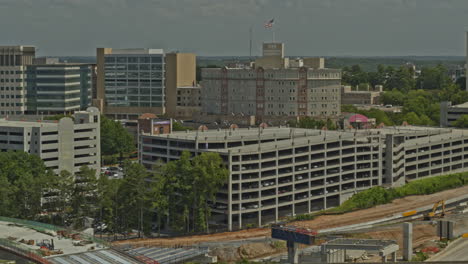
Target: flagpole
(250,42)
(273,32)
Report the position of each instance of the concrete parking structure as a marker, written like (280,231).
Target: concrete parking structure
(279,172)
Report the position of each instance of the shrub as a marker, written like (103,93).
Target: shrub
(302,217)
(419,256)
(279,244)
(379,195)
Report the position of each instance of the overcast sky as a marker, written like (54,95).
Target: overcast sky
(221,27)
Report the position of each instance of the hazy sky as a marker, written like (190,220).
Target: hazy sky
(221,27)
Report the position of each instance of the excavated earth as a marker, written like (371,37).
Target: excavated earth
(321,222)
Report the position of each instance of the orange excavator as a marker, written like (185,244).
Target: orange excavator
(432,213)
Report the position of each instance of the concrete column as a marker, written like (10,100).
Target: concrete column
(407,241)
(260,217)
(394,256)
(229,198)
(323,254)
(293,256)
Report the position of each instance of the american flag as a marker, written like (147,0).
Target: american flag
(270,23)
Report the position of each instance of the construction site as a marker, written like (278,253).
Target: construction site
(402,230)
(384,222)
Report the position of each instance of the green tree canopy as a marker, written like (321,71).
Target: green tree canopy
(433,78)
(461,122)
(115,139)
(23,178)
(186,185)
(412,118)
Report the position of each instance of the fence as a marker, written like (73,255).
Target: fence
(19,250)
(41,227)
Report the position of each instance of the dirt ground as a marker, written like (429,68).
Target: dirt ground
(322,222)
(246,251)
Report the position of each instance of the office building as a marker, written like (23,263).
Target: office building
(280,172)
(188,101)
(57,88)
(131,82)
(13,62)
(367,97)
(276,86)
(182,91)
(450,113)
(67,144)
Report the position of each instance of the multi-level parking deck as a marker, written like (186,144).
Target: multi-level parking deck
(279,172)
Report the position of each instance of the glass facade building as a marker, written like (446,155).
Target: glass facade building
(134,78)
(58,88)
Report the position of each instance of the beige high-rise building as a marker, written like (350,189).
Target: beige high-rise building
(131,82)
(13,62)
(182,91)
(276,86)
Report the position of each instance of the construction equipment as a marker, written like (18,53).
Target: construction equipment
(46,244)
(432,213)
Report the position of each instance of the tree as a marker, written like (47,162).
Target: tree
(393,97)
(401,79)
(354,76)
(182,189)
(114,138)
(412,118)
(23,178)
(433,78)
(107,193)
(133,196)
(176,126)
(84,197)
(60,197)
(461,82)
(209,176)
(461,122)
(424,120)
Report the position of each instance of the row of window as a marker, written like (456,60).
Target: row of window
(11,104)
(10,80)
(134,91)
(11,112)
(11,72)
(134,104)
(7,96)
(11,88)
(146,59)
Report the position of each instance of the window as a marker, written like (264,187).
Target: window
(109,59)
(157,59)
(144,60)
(121,59)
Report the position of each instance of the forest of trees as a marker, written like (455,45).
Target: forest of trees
(179,191)
(419,97)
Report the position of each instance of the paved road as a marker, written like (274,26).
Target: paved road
(455,251)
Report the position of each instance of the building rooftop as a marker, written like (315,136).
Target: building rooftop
(277,137)
(464,105)
(27,123)
(137,51)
